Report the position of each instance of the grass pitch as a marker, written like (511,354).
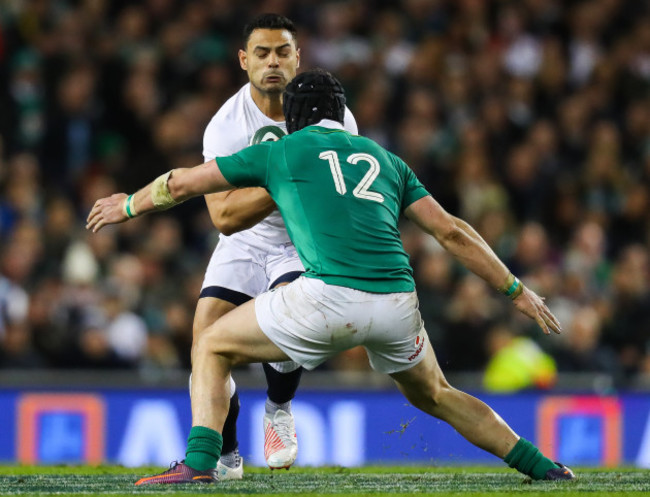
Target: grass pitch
(369,481)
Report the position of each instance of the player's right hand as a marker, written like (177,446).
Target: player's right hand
(108,210)
(533,306)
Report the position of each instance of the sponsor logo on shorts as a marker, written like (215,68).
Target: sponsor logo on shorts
(419,343)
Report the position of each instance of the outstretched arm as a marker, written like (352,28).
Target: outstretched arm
(462,241)
(164,192)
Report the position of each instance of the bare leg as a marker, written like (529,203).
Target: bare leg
(208,310)
(426,388)
(234,339)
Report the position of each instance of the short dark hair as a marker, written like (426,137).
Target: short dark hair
(269,21)
(312,96)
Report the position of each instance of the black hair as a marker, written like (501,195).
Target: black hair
(269,21)
(312,96)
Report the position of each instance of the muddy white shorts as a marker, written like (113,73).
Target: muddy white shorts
(311,321)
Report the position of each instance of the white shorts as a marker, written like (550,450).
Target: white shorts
(311,321)
(239,271)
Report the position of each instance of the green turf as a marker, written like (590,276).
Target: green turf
(375,481)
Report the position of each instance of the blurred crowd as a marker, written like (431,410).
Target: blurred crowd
(530,119)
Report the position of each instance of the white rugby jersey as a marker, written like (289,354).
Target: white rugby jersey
(231,130)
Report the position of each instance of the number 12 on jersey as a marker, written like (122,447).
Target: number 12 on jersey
(362,189)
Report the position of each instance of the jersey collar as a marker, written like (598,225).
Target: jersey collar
(328,123)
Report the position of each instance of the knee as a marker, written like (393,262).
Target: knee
(206,341)
(212,341)
(199,327)
(207,313)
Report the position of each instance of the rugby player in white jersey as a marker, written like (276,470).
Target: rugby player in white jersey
(254,253)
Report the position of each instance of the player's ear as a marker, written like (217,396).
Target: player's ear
(243,59)
(297,57)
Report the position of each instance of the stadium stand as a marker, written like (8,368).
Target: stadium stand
(529,119)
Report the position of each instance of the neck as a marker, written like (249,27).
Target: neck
(269,103)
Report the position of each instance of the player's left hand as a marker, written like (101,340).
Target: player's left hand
(108,210)
(533,306)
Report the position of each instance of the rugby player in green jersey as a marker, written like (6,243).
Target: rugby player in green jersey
(340,196)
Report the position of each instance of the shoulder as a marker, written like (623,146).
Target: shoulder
(349,122)
(234,105)
(384,156)
(226,132)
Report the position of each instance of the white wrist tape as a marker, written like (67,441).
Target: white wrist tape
(129,207)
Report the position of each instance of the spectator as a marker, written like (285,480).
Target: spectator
(14,332)
(470,313)
(582,350)
(516,363)
(629,320)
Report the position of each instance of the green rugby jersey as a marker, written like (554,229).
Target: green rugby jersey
(340,196)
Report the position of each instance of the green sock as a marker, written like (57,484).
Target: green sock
(527,458)
(203,448)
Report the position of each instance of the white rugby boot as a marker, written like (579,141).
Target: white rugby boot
(235,472)
(280,442)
